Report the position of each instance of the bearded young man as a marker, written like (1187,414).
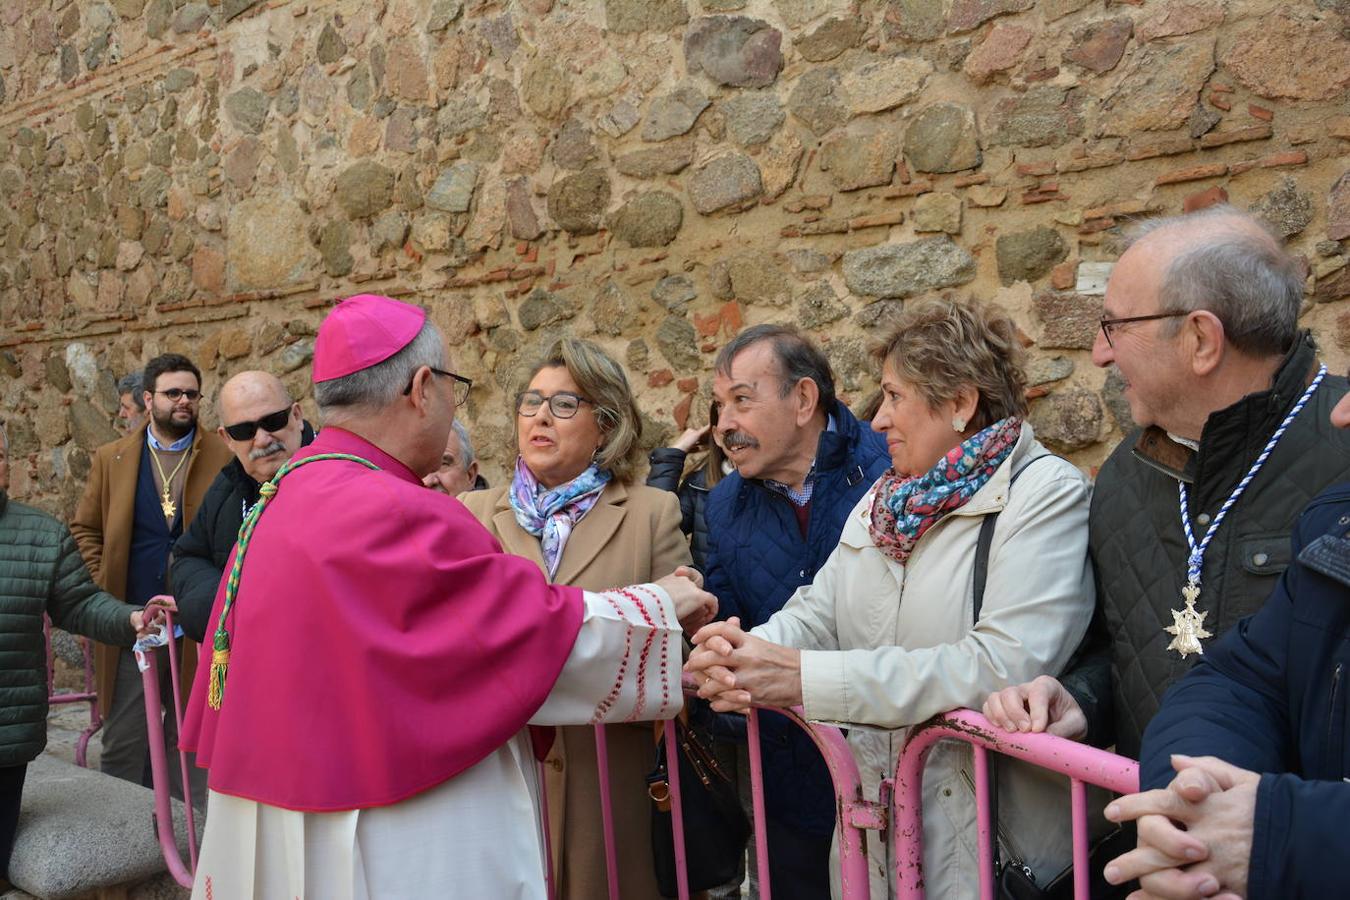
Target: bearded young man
(142,490)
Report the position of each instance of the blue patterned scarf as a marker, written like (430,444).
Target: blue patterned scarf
(904,508)
(550,515)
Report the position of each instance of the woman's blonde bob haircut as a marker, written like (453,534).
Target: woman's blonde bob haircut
(940,346)
(602,381)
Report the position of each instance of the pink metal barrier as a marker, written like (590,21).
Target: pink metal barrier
(88,695)
(856,814)
(1082,764)
(159,765)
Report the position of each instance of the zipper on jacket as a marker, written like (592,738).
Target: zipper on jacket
(1335,723)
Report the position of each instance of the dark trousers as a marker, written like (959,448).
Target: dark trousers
(799,863)
(11,795)
(126,744)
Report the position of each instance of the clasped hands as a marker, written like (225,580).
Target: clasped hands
(735,669)
(1195,835)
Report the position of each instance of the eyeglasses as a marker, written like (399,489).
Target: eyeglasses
(272,422)
(1108,324)
(176,394)
(462,384)
(563,404)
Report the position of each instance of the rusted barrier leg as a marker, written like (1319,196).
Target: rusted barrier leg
(1081,873)
(607,812)
(984,826)
(757,804)
(676,810)
(182,754)
(159,771)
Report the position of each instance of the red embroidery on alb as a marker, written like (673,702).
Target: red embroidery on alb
(605,705)
(665,649)
(641,705)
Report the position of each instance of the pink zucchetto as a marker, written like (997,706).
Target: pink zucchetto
(362,331)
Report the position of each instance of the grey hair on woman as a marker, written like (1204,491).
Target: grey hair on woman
(941,346)
(1231,264)
(602,381)
(371,389)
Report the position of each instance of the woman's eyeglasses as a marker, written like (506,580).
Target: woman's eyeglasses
(563,404)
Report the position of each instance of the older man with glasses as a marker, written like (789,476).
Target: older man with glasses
(1191,514)
(143,489)
(263,427)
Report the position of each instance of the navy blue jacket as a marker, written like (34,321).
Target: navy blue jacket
(1270,697)
(757,558)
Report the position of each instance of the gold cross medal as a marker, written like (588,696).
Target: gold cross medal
(166,503)
(1188,625)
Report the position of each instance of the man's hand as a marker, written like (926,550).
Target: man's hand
(1039,705)
(145,621)
(769,673)
(1195,835)
(694,607)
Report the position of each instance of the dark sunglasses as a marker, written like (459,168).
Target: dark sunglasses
(175,394)
(272,422)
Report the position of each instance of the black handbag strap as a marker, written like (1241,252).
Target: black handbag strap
(982,547)
(986,539)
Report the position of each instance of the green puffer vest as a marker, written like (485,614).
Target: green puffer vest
(1139,548)
(42,571)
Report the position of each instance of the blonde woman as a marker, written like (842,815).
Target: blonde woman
(572,506)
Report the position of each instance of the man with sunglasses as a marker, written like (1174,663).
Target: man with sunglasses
(263,427)
(1191,514)
(142,491)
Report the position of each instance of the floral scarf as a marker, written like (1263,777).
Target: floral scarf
(903,508)
(550,515)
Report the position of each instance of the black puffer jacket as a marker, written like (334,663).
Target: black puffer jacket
(667,465)
(1139,549)
(199,556)
(42,571)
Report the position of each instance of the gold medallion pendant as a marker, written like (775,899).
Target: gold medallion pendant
(166,503)
(1188,625)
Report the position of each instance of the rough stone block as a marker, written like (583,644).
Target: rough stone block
(80,831)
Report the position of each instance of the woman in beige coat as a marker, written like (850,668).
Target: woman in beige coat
(886,635)
(573,507)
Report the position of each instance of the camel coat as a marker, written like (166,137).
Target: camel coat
(631,536)
(102,528)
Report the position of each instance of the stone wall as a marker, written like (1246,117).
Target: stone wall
(208,177)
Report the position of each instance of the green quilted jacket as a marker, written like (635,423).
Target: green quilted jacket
(42,571)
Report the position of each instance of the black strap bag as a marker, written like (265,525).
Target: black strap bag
(715,827)
(1013,878)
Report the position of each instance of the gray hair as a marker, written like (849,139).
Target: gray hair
(131,383)
(466,454)
(797,356)
(1232,265)
(378,386)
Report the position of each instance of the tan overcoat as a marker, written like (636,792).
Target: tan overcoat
(102,528)
(631,536)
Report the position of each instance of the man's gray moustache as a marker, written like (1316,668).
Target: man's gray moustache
(271,449)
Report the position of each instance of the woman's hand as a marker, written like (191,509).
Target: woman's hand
(763,673)
(145,621)
(691,438)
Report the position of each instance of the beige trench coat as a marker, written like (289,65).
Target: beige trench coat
(631,536)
